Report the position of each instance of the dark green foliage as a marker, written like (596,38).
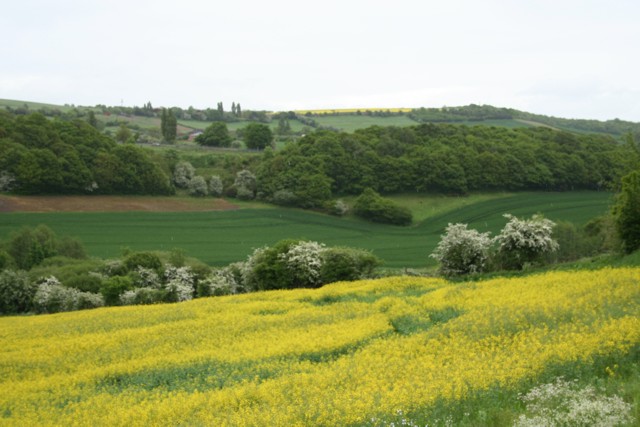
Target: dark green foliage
(113,287)
(627,212)
(344,264)
(72,157)
(28,247)
(215,135)
(70,247)
(371,206)
(257,136)
(6,260)
(168,125)
(84,282)
(268,269)
(16,292)
(142,259)
(449,159)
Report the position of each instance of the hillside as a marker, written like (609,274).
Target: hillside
(347,120)
(403,350)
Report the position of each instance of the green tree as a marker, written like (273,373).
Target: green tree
(123,133)
(626,212)
(257,136)
(215,135)
(168,125)
(91,119)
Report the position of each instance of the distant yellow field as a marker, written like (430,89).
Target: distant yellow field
(338,355)
(353,110)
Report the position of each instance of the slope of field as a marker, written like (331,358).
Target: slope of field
(345,354)
(219,238)
(111,204)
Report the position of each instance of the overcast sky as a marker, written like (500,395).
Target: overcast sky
(567,58)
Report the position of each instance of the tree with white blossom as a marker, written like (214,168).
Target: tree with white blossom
(462,251)
(525,241)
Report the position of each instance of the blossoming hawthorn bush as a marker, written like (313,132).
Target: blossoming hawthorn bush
(523,241)
(462,251)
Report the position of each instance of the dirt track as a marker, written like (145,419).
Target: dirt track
(110,204)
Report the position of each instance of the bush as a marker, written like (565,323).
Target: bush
(266,270)
(86,282)
(372,207)
(113,287)
(215,186)
(284,198)
(225,281)
(626,212)
(180,284)
(16,292)
(29,247)
(338,208)
(182,174)
(143,295)
(71,247)
(304,262)
(52,297)
(142,259)
(6,260)
(462,251)
(343,264)
(524,242)
(198,187)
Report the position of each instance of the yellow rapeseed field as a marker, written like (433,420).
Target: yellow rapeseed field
(337,355)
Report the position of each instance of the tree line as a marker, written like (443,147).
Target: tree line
(441,158)
(41,156)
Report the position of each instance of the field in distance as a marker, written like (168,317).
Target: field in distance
(219,237)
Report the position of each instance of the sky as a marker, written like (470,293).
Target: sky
(565,58)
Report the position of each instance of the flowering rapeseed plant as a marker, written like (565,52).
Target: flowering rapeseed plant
(343,354)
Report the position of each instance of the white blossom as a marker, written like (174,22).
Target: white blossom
(462,251)
(565,403)
(304,260)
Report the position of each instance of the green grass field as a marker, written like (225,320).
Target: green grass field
(349,123)
(219,238)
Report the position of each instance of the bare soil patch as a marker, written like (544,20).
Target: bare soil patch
(110,204)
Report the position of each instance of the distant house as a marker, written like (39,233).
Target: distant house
(193,135)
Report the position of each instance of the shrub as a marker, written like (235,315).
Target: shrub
(215,186)
(143,295)
(371,206)
(304,261)
(342,264)
(71,247)
(564,403)
(462,251)
(338,208)
(284,198)
(6,260)
(113,287)
(86,282)
(29,247)
(180,284)
(198,187)
(52,297)
(16,292)
(265,269)
(525,241)
(245,185)
(142,259)
(182,174)
(626,212)
(225,281)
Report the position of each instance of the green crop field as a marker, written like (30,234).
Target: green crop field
(349,123)
(219,238)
